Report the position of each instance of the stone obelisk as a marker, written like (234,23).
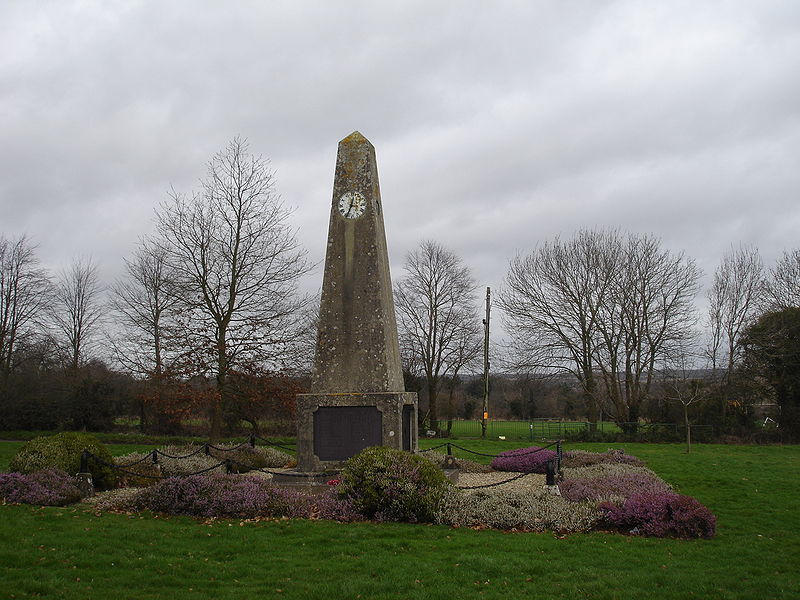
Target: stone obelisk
(357,397)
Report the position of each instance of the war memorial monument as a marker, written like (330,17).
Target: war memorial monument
(357,397)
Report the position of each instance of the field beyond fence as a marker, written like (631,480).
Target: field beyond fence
(552,429)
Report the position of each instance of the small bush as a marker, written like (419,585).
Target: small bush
(584,458)
(50,487)
(391,485)
(661,515)
(328,505)
(217,496)
(524,460)
(63,451)
(528,511)
(237,496)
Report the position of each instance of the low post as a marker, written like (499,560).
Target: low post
(228,466)
(207,449)
(156,466)
(550,484)
(85,483)
(450,461)
(252,440)
(551,472)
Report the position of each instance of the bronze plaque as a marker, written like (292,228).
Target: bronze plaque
(343,431)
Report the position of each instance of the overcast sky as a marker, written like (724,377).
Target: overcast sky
(496,124)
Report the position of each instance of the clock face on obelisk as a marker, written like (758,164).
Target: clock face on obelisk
(352,205)
(357,346)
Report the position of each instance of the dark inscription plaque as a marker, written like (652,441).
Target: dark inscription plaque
(408,414)
(343,431)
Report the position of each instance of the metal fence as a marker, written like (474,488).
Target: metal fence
(552,429)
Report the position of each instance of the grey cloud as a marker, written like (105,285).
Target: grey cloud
(496,124)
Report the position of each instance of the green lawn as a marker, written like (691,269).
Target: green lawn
(754,491)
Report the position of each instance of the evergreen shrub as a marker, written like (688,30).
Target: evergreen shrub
(63,451)
(386,484)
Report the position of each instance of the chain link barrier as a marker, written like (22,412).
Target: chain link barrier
(434,448)
(206,447)
(496,455)
(229,463)
(552,470)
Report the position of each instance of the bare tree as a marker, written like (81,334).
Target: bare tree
(145,304)
(679,386)
(783,282)
(437,317)
(551,304)
(145,307)
(24,297)
(77,311)
(735,298)
(602,307)
(648,317)
(236,264)
(468,348)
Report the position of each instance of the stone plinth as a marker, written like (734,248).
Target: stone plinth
(333,427)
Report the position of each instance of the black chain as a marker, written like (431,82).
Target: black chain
(496,455)
(228,462)
(134,473)
(198,451)
(148,456)
(239,447)
(488,485)
(434,448)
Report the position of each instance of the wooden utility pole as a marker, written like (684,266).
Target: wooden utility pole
(486,364)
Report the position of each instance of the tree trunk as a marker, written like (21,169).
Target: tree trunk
(688,428)
(432,412)
(450,403)
(592,412)
(218,401)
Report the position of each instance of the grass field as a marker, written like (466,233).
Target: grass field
(753,490)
